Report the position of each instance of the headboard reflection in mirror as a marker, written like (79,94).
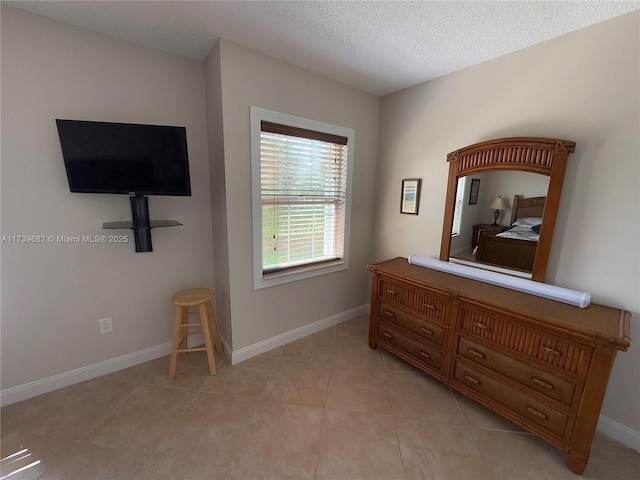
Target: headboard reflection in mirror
(527,174)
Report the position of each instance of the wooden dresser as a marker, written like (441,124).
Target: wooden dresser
(540,363)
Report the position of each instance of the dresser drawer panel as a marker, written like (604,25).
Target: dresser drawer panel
(418,300)
(534,411)
(544,382)
(423,353)
(431,331)
(547,348)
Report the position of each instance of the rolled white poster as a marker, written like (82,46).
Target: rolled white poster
(560,294)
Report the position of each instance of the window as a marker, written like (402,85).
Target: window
(300,183)
(457,212)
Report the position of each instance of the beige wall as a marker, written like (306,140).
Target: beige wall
(249,78)
(213,78)
(54,294)
(583,87)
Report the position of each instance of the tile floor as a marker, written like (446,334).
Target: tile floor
(323,407)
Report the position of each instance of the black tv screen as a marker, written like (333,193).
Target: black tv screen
(103,157)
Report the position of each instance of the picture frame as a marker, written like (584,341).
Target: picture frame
(473,191)
(410,199)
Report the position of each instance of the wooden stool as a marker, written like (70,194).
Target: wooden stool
(201,298)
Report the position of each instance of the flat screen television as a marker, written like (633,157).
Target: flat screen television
(103,157)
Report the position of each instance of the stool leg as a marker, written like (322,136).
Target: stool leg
(184,330)
(176,340)
(207,338)
(214,327)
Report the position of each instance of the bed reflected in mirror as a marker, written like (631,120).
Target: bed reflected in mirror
(504,238)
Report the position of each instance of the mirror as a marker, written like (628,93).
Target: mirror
(478,238)
(493,185)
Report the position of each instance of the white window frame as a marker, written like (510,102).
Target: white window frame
(261,280)
(458,211)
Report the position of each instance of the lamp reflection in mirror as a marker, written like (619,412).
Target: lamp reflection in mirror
(497,205)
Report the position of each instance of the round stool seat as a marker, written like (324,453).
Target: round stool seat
(192,296)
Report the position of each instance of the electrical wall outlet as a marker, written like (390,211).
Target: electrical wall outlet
(105,325)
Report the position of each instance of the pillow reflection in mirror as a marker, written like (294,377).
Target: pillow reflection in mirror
(528,221)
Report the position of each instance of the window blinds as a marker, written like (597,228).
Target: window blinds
(303,190)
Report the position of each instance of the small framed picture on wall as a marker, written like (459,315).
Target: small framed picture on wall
(473,192)
(410,196)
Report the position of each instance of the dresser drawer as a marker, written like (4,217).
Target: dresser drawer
(544,382)
(548,349)
(420,300)
(430,331)
(524,405)
(424,354)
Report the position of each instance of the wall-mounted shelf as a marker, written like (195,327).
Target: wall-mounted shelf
(120,224)
(141,225)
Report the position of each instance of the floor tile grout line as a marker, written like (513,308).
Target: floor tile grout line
(211,377)
(273,369)
(452,393)
(324,420)
(109,376)
(469,429)
(257,404)
(324,407)
(104,418)
(184,410)
(68,455)
(164,365)
(85,438)
(169,429)
(395,424)
(479,432)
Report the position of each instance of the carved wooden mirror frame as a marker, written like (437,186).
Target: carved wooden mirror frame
(546,156)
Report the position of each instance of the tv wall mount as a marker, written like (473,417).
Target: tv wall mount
(140,224)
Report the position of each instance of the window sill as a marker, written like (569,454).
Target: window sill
(301,273)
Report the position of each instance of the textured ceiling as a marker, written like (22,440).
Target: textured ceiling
(378,47)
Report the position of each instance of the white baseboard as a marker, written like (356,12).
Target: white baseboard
(38,387)
(619,432)
(274,342)
(61,380)
(615,430)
